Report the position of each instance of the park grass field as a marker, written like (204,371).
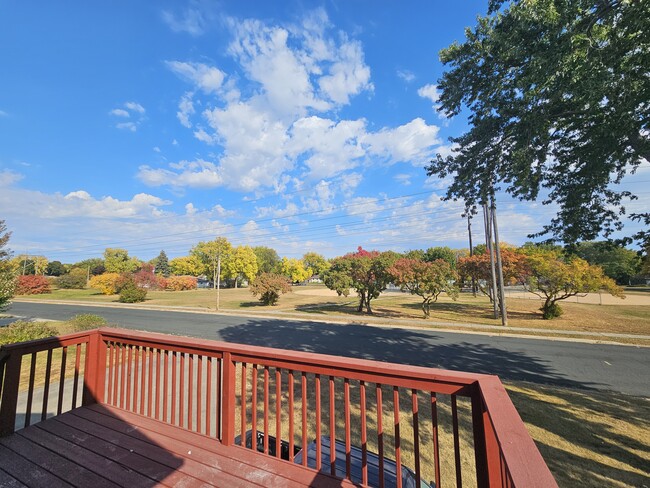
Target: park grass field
(315,301)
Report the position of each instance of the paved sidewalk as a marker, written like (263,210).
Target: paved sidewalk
(345,319)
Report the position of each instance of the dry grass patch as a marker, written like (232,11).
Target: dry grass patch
(588,438)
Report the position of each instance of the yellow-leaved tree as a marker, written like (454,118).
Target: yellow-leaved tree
(553,278)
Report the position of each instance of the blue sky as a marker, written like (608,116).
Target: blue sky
(303,126)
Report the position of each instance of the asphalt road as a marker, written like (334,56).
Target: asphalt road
(624,369)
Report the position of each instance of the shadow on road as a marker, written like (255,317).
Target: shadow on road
(398,346)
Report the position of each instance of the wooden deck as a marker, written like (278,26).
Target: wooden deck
(102,446)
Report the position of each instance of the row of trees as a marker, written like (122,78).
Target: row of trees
(542,270)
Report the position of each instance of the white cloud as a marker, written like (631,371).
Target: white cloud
(127,126)
(135,107)
(330,147)
(275,126)
(193,174)
(406,75)
(3,113)
(403,179)
(8,177)
(412,142)
(191,21)
(156,149)
(431,92)
(349,75)
(185,109)
(131,110)
(203,77)
(119,112)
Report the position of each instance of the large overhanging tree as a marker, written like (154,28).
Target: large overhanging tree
(559,96)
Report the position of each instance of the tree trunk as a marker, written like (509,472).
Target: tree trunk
(426,308)
(362,301)
(368,309)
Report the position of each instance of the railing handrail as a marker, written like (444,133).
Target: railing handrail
(522,458)
(299,358)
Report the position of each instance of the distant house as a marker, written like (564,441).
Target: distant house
(313,279)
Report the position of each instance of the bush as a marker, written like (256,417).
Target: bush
(86,321)
(145,278)
(269,287)
(75,279)
(7,288)
(181,283)
(551,311)
(132,293)
(22,331)
(106,283)
(33,285)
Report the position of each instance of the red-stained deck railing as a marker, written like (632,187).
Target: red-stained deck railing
(224,390)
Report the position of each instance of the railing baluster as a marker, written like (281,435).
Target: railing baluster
(346,410)
(150,382)
(380,435)
(181,393)
(219,397)
(318,422)
(111,372)
(165,410)
(208,396)
(30,393)
(266,410)
(143,376)
(75,383)
(291,417)
(278,412)
(199,403)
(303,393)
(46,388)
(157,384)
(123,374)
(59,405)
(136,374)
(454,417)
(398,440)
(228,420)
(129,374)
(364,435)
(332,428)
(10,381)
(254,406)
(190,391)
(242,420)
(434,437)
(416,435)
(174,395)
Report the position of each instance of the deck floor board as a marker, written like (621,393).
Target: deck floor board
(101,446)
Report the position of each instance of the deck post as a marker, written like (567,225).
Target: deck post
(95,369)
(10,385)
(480,452)
(228,401)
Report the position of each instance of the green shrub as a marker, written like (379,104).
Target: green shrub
(86,321)
(22,331)
(131,293)
(551,311)
(76,279)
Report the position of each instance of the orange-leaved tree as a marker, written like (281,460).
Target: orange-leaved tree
(427,280)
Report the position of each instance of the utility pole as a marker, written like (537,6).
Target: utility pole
(471,249)
(25,261)
(488,240)
(502,295)
(218,279)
